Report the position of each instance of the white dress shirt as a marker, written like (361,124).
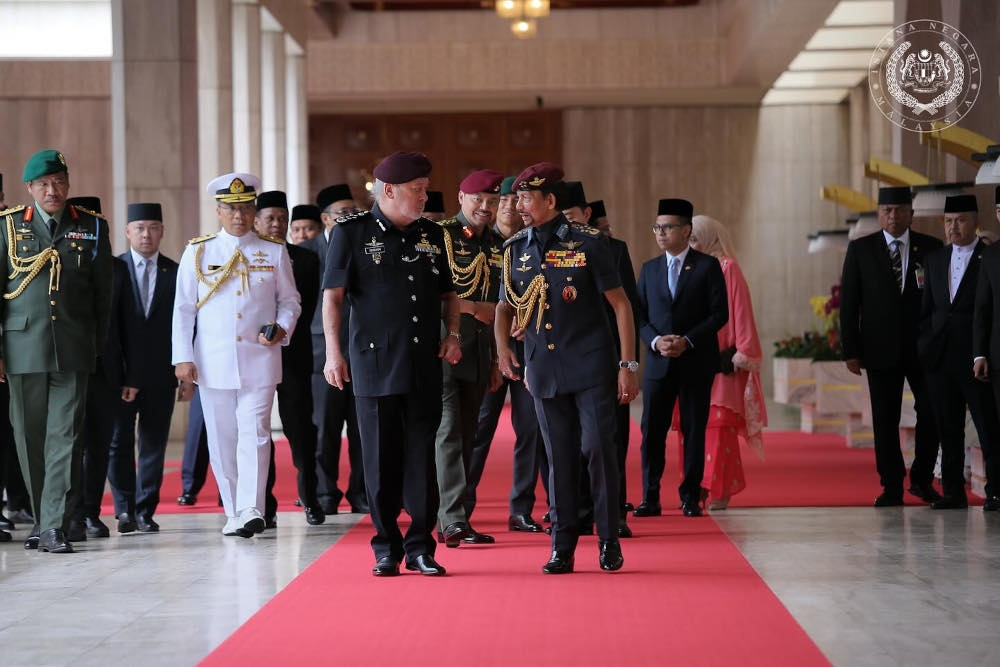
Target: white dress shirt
(960,256)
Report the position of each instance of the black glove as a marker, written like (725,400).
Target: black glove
(726,360)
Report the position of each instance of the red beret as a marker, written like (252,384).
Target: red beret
(403,167)
(541,176)
(484,180)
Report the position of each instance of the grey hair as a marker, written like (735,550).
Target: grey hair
(378,189)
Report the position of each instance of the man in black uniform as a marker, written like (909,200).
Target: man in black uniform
(528,451)
(295,399)
(468,239)
(556,278)
(880,295)
(391,266)
(434,207)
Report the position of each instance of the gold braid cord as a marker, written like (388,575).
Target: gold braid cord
(32,266)
(474,276)
(534,296)
(225,272)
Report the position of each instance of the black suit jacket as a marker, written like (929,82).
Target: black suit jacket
(619,250)
(878,323)
(698,311)
(112,359)
(945,338)
(147,337)
(318,244)
(297,356)
(986,312)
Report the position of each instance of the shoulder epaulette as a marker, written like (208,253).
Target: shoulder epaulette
(272,239)
(520,235)
(585,229)
(449,222)
(201,239)
(89,212)
(347,219)
(13,209)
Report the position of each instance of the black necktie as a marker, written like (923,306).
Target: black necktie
(53,223)
(897,262)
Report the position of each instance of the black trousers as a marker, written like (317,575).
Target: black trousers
(571,425)
(951,390)
(397,440)
(194,467)
(527,446)
(332,408)
(694,394)
(95,439)
(11,479)
(295,407)
(886,388)
(622,423)
(137,489)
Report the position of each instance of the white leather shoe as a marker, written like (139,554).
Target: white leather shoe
(232,526)
(252,520)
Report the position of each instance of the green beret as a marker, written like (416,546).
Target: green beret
(507,187)
(44,163)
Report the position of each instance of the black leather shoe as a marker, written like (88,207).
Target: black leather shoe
(386,566)
(32,541)
(992,504)
(6,524)
(475,537)
(271,522)
(648,508)
(629,507)
(523,523)
(690,508)
(610,556)
(145,524)
(425,564)
(560,562)
(298,502)
(96,527)
(315,515)
(889,499)
(126,524)
(925,492)
(21,516)
(187,498)
(547,517)
(951,503)
(453,535)
(329,506)
(623,529)
(5,536)
(360,507)
(54,540)
(77,531)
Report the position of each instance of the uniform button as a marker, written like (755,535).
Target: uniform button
(547,306)
(73,244)
(410,278)
(541,266)
(416,319)
(552,346)
(53,317)
(24,248)
(52,303)
(569,279)
(413,297)
(371,345)
(239,338)
(239,316)
(416,340)
(548,325)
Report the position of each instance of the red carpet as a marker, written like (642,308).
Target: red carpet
(685,595)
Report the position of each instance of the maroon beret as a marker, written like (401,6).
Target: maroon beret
(403,167)
(541,176)
(484,180)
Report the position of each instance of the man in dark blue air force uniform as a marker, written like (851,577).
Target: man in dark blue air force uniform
(556,276)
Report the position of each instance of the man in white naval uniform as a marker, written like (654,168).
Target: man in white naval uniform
(230,285)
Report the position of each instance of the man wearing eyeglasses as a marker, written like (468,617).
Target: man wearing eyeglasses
(682,306)
(333,406)
(235,306)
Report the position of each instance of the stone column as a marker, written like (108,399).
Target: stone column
(215,102)
(246,78)
(272,103)
(296,126)
(154,123)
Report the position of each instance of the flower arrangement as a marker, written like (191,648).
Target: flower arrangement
(818,344)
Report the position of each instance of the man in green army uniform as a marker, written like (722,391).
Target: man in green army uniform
(56,287)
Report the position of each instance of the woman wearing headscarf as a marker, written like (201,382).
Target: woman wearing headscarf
(737,405)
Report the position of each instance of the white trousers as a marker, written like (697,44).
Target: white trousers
(238,425)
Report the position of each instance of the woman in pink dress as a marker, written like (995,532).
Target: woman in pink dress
(737,400)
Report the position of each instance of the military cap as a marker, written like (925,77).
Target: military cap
(597,209)
(483,180)
(89,203)
(894,196)
(305,212)
(961,204)
(403,167)
(507,187)
(435,202)
(541,176)
(234,188)
(575,195)
(272,199)
(44,163)
(145,211)
(333,193)
(682,208)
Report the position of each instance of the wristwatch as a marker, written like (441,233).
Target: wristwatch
(631,365)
